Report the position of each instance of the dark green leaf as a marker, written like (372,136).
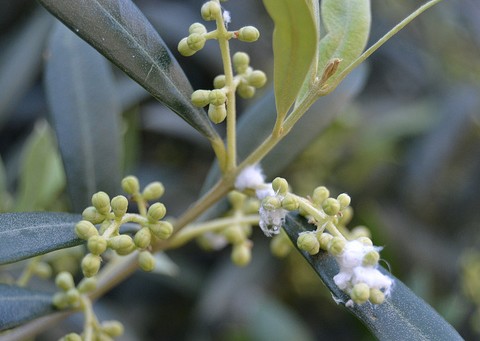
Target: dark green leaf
(118,30)
(403,316)
(19,305)
(85,113)
(25,235)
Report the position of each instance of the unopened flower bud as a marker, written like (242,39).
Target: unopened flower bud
(320,194)
(156,212)
(344,200)
(87,285)
(146,261)
(97,245)
(196,41)
(331,206)
(143,238)
(234,234)
(324,240)
(346,217)
(290,203)
(280,186)
(59,300)
(92,215)
(241,60)
(246,91)
(219,82)
(101,201)
(153,191)
(123,241)
(42,270)
(210,11)
(307,241)
(248,34)
(64,280)
(184,49)
(71,337)
(280,246)
(200,98)
(126,250)
(237,199)
(360,293)
(336,246)
(197,28)
(130,184)
(376,296)
(360,231)
(90,265)
(72,296)
(257,78)
(162,229)
(85,230)
(112,328)
(217,114)
(241,254)
(371,258)
(217,97)
(271,203)
(119,205)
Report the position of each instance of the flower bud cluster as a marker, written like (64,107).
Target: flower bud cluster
(249,79)
(69,296)
(216,101)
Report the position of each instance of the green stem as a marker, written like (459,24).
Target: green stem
(28,272)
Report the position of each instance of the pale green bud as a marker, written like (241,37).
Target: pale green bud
(344,200)
(376,296)
(156,212)
(64,280)
(237,199)
(126,250)
(196,41)
(365,241)
(112,328)
(43,270)
(241,60)
(280,186)
(290,202)
(143,238)
(119,205)
(251,206)
(97,245)
(234,234)
(217,97)
(248,34)
(101,201)
(331,206)
(130,184)
(184,49)
(336,246)
(241,254)
(197,28)
(324,240)
(320,194)
(360,231)
(257,78)
(246,91)
(217,114)
(371,258)
(162,229)
(87,285)
(146,261)
(153,191)
(92,215)
(200,98)
(72,296)
(219,82)
(71,337)
(210,11)
(123,241)
(360,293)
(90,265)
(346,217)
(280,246)
(60,300)
(308,241)
(271,203)
(85,230)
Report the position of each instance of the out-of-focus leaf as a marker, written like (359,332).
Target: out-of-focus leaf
(19,305)
(295,40)
(85,113)
(21,59)
(118,30)
(41,175)
(403,315)
(347,23)
(25,235)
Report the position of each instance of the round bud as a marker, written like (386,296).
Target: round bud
(234,234)
(290,203)
(217,97)
(257,78)
(196,41)
(217,114)
(143,238)
(219,82)
(280,186)
(246,91)
(237,199)
(360,231)
(280,246)
(360,293)
(156,212)
(112,328)
(130,184)
(72,296)
(365,241)
(97,245)
(320,194)
(85,230)
(92,215)
(126,250)
(90,265)
(241,254)
(162,229)
(336,245)
(344,200)
(119,205)
(271,203)
(200,98)
(146,261)
(87,285)
(197,28)
(251,206)
(123,241)
(248,34)
(64,280)
(346,217)
(153,191)
(324,239)
(71,337)
(101,201)
(371,258)
(376,296)
(241,60)
(42,270)
(331,206)
(210,11)
(184,49)
(59,300)
(307,241)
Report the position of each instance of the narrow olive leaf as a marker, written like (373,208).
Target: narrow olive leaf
(120,31)
(347,25)
(295,40)
(25,235)
(85,113)
(403,315)
(19,305)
